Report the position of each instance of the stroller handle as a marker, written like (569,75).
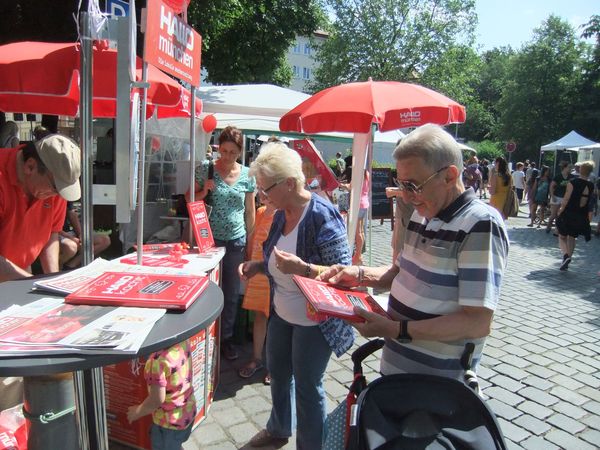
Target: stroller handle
(362,352)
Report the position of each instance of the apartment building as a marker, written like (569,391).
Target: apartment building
(300,57)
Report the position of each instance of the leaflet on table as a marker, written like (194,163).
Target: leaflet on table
(325,300)
(73,280)
(141,289)
(200,225)
(191,263)
(50,323)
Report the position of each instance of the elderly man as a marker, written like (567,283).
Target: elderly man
(35,182)
(445,284)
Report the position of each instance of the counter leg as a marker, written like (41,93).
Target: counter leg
(50,411)
(91,404)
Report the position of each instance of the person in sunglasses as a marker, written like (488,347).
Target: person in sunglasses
(445,283)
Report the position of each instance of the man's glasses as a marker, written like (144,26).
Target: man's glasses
(411,188)
(265,192)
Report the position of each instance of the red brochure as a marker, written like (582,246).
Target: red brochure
(326,300)
(142,290)
(200,226)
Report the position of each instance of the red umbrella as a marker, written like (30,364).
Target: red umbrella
(354,107)
(43,77)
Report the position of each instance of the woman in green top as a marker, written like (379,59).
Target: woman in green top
(231,220)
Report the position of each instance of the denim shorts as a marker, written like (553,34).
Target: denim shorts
(167,438)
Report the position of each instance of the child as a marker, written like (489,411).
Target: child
(257,291)
(170,398)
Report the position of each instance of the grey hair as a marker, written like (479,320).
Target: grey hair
(435,146)
(277,162)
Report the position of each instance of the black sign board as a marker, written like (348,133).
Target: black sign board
(381,207)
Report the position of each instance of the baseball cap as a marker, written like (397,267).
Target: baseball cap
(62,157)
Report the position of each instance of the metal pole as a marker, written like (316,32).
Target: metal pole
(85,115)
(142,167)
(192,156)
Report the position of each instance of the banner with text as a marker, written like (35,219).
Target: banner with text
(171,44)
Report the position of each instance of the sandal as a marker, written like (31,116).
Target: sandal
(267,378)
(250,368)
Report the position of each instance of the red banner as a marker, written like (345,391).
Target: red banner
(171,44)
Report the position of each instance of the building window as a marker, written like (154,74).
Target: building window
(306,73)
(307,49)
(296,47)
(296,70)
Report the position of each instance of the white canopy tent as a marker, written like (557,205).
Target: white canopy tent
(569,143)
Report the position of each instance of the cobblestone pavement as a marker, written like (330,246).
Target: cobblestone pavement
(540,370)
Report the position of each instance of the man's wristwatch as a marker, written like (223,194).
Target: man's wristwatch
(403,335)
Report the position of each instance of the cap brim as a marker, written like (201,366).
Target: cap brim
(69,191)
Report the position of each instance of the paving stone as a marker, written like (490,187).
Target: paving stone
(242,432)
(208,434)
(542,372)
(538,382)
(535,409)
(568,395)
(538,396)
(532,424)
(538,359)
(513,432)
(566,382)
(568,441)
(229,417)
(538,443)
(592,406)
(566,423)
(591,436)
(590,393)
(510,371)
(503,395)
(255,405)
(575,412)
(507,383)
(501,409)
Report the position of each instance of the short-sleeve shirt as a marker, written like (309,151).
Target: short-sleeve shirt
(172,369)
(227,219)
(25,226)
(561,184)
(455,259)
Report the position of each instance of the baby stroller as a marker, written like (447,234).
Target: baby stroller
(410,411)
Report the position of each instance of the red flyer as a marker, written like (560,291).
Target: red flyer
(325,300)
(142,290)
(200,226)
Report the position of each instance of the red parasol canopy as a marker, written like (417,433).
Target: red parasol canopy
(43,77)
(354,107)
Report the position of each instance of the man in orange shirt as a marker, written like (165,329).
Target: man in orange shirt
(35,182)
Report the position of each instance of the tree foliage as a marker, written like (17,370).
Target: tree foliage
(245,41)
(390,39)
(538,92)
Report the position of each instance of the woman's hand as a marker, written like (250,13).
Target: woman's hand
(248,269)
(209,185)
(346,276)
(289,263)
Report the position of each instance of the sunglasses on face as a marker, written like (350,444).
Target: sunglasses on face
(411,188)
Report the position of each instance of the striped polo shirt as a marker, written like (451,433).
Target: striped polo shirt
(455,259)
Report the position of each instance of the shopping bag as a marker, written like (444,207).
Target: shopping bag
(511,206)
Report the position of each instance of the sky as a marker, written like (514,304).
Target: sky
(511,22)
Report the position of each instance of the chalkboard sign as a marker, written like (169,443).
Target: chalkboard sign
(381,207)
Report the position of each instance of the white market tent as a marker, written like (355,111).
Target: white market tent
(257,108)
(569,141)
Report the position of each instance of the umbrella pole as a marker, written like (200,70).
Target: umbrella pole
(192,158)
(142,167)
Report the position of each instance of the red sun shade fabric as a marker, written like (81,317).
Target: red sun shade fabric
(354,107)
(43,78)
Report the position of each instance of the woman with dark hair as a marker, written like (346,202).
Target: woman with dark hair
(499,184)
(231,220)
